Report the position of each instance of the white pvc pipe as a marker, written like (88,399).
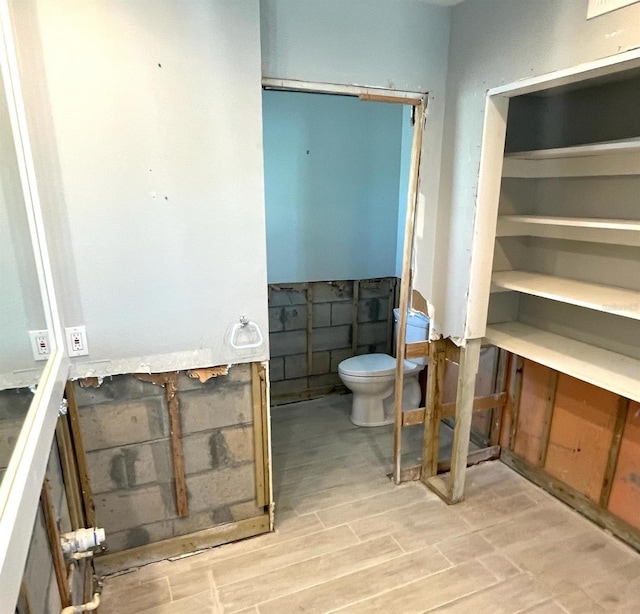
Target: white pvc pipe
(85,607)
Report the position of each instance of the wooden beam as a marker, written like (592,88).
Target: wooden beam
(515,393)
(414,102)
(416,416)
(258,377)
(53,535)
(574,499)
(452,352)
(80,455)
(69,473)
(433,413)
(417,349)
(614,450)
(501,384)
(548,414)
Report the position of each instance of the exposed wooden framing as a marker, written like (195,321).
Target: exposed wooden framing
(309,295)
(390,305)
(69,473)
(515,392)
(433,414)
(170,383)
(80,455)
(354,317)
(417,349)
(258,396)
(448,410)
(614,451)
(501,384)
(53,535)
(452,352)
(393,99)
(184,544)
(574,499)
(405,284)
(548,414)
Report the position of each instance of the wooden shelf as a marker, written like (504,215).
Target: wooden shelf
(618,301)
(595,230)
(603,368)
(610,158)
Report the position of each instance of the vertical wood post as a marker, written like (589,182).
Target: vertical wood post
(433,410)
(548,414)
(614,451)
(53,535)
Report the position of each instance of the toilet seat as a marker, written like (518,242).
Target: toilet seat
(374,365)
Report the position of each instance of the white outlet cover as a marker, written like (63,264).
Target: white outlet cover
(40,344)
(600,7)
(76,337)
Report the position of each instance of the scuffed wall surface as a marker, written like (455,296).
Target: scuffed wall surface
(335,318)
(125,426)
(495,42)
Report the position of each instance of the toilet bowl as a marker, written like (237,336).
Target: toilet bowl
(371,379)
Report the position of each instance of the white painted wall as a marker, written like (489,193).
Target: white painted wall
(494,42)
(397,44)
(146,118)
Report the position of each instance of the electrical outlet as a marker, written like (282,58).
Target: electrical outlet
(77,341)
(40,345)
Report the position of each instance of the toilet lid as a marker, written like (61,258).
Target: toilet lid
(373,365)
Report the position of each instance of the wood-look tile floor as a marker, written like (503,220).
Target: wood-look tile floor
(349,541)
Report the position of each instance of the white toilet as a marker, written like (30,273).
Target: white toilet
(371,378)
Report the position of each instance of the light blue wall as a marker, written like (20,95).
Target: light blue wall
(332,172)
(403,184)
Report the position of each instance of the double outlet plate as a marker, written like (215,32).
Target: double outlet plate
(75,337)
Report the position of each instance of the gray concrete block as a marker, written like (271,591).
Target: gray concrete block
(322,381)
(287,387)
(373,333)
(213,450)
(376,348)
(294,318)
(295,366)
(321,315)
(117,388)
(130,466)
(288,343)
(320,363)
(373,310)
(337,356)
(276,369)
(14,403)
(341,313)
(237,374)
(117,541)
(109,425)
(376,288)
(217,488)
(198,521)
(330,291)
(204,410)
(332,338)
(281,297)
(275,320)
(123,510)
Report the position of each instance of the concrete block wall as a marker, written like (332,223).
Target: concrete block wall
(14,405)
(125,426)
(313,326)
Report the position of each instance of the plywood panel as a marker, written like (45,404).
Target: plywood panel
(625,493)
(581,433)
(533,402)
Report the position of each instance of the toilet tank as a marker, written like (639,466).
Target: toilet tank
(417,329)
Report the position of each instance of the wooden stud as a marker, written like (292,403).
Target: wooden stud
(473,458)
(548,414)
(69,473)
(414,102)
(354,317)
(515,394)
(405,284)
(573,498)
(614,450)
(452,352)
(309,293)
(390,325)
(258,378)
(433,413)
(417,349)
(501,384)
(448,410)
(53,535)
(80,455)
(469,361)
(170,383)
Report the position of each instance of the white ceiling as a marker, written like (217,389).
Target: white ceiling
(444,2)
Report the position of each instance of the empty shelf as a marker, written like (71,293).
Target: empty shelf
(618,301)
(595,230)
(579,151)
(603,368)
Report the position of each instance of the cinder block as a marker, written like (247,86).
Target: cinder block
(275,320)
(117,541)
(197,521)
(276,369)
(294,318)
(213,450)
(376,288)
(322,381)
(204,410)
(217,488)
(337,356)
(130,466)
(117,388)
(321,315)
(122,510)
(15,403)
(109,425)
(373,310)
(288,343)
(295,366)
(237,374)
(247,509)
(375,348)
(287,387)
(9,431)
(373,333)
(332,338)
(330,291)
(320,363)
(282,297)
(341,313)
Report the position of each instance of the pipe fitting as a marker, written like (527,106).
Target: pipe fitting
(81,540)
